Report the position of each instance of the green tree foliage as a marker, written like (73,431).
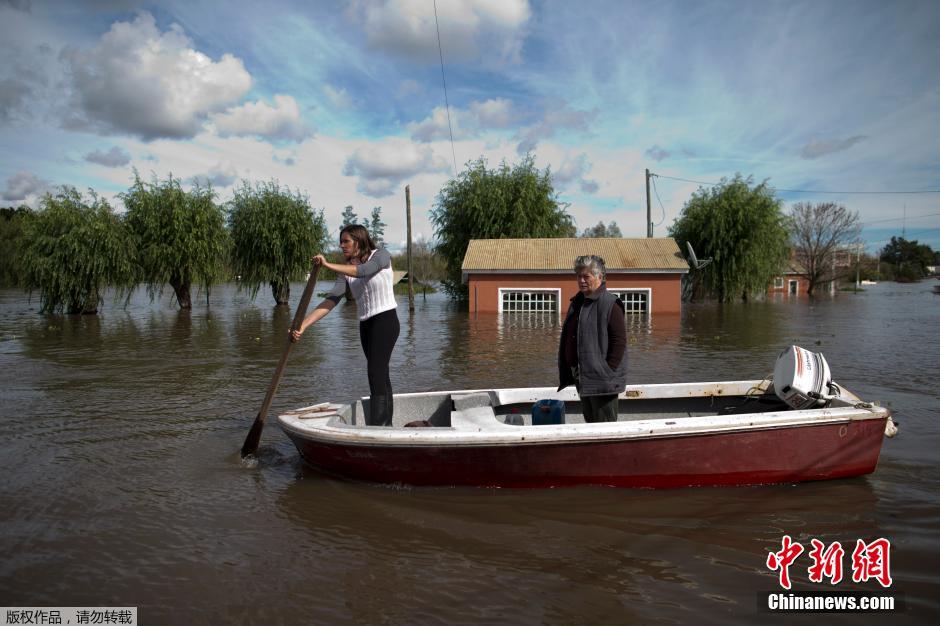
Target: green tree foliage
(376,226)
(180,235)
(909,259)
(348,217)
(741,227)
(74,249)
(602,231)
(12,225)
(819,232)
(274,235)
(508,202)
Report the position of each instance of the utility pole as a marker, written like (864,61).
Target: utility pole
(649,212)
(858,261)
(411,285)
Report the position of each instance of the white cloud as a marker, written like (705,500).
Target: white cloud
(382,167)
(436,126)
(26,188)
(221,175)
(467,27)
(144,82)
(281,121)
(115,157)
(555,120)
(493,113)
(574,170)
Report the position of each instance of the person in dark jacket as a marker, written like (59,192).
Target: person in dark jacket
(593,350)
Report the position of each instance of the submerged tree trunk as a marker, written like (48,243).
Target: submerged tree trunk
(88,305)
(181,288)
(281,292)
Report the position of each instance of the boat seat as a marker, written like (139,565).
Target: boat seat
(475,418)
(472,400)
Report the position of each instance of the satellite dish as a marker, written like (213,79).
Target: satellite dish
(696,264)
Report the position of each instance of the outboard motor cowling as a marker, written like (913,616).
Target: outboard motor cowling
(802,378)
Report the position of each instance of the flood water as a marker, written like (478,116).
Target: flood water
(122,483)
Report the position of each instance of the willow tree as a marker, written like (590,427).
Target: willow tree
(73,249)
(274,235)
(180,236)
(742,228)
(12,225)
(505,203)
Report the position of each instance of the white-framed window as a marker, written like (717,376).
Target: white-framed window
(529,299)
(778,282)
(635,300)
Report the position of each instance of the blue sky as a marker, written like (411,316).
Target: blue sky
(343,100)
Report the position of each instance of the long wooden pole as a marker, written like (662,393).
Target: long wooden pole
(411,284)
(254,435)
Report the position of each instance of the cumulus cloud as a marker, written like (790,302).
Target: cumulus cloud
(115,157)
(561,118)
(469,122)
(219,176)
(436,126)
(26,77)
(26,188)
(144,82)
(574,170)
(467,27)
(657,154)
(280,121)
(493,113)
(820,147)
(382,168)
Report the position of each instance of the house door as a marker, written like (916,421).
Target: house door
(792,287)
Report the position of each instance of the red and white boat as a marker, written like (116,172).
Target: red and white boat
(667,435)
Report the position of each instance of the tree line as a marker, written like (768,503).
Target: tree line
(74,246)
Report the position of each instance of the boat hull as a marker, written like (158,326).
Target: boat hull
(743,457)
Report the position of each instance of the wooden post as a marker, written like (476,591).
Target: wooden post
(649,213)
(411,284)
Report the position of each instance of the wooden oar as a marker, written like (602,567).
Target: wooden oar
(254,435)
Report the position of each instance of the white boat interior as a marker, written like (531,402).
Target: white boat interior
(643,410)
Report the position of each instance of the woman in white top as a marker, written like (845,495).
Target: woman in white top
(368,274)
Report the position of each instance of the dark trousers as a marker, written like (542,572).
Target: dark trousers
(378,335)
(599,408)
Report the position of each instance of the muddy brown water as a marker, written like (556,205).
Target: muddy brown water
(122,483)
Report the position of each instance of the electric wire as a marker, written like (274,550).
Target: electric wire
(699,182)
(656,191)
(440,52)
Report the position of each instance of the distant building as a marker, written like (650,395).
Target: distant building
(793,282)
(505,275)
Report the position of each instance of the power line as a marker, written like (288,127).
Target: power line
(699,182)
(895,219)
(440,51)
(656,191)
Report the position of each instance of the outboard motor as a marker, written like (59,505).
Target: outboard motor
(802,378)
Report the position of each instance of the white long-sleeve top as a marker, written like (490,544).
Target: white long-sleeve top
(372,286)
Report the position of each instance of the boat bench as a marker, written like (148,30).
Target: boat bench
(473,411)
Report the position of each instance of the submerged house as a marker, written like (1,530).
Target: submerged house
(505,275)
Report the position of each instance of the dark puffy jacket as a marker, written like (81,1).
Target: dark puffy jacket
(597,378)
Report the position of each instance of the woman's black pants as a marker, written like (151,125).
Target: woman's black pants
(378,335)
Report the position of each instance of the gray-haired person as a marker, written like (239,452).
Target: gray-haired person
(593,350)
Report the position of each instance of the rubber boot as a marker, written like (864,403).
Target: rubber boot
(381,409)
